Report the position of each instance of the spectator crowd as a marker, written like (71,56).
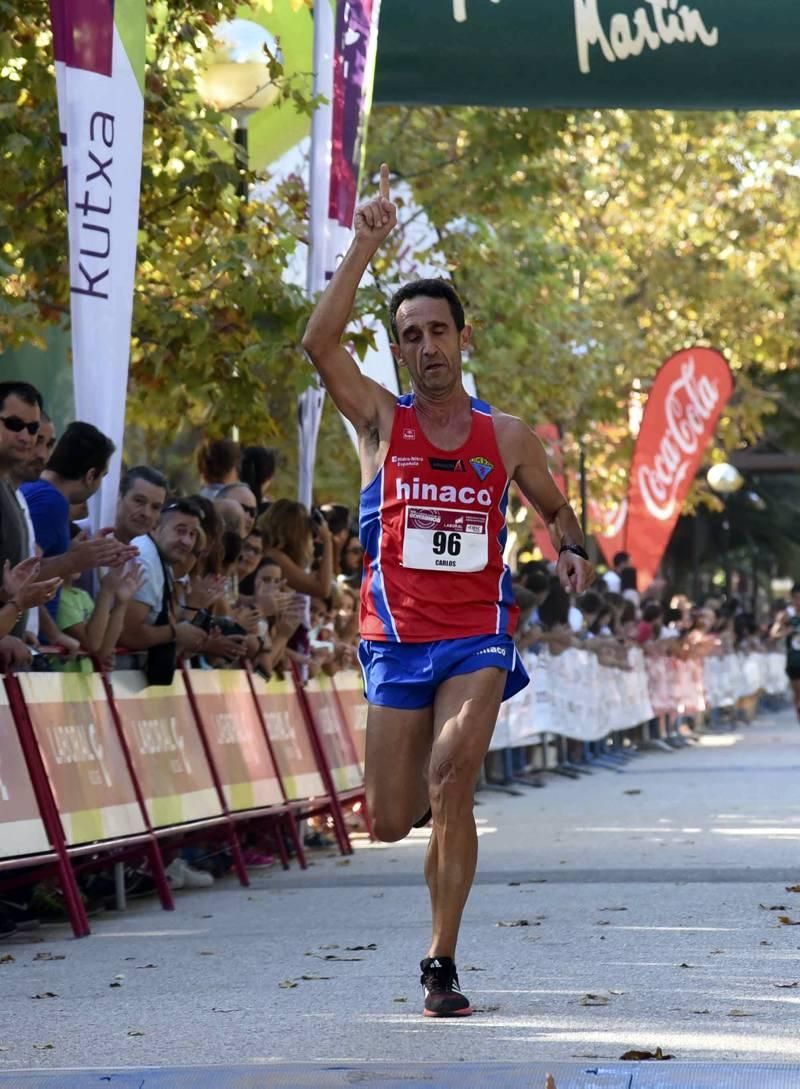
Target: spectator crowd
(232,574)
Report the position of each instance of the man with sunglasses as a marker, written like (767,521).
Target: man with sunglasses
(20,421)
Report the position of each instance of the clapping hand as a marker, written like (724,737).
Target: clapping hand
(20,585)
(376,219)
(123,582)
(204,591)
(102,550)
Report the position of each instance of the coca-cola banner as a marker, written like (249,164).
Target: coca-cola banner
(688,395)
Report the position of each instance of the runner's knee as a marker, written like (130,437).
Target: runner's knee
(389,827)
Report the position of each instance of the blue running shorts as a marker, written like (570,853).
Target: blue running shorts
(406,675)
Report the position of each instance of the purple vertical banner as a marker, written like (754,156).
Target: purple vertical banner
(353,75)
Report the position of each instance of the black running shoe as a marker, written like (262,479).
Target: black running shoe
(442,995)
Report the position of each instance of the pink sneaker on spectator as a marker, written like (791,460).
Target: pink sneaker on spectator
(254,859)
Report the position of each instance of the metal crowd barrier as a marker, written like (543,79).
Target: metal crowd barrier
(578,714)
(99,768)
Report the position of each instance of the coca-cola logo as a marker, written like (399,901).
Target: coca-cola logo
(689,405)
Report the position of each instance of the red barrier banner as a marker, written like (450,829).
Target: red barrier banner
(688,395)
(294,754)
(338,747)
(236,738)
(83,757)
(350,687)
(22,830)
(166,749)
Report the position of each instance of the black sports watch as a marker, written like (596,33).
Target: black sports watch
(576,549)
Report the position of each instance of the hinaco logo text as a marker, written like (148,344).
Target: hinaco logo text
(417,490)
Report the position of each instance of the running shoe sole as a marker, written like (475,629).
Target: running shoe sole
(455,1013)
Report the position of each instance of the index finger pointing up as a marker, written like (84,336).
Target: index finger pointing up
(384,182)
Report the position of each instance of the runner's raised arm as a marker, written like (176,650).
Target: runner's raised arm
(356,396)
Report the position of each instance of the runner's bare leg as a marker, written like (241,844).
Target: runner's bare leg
(465,713)
(397,752)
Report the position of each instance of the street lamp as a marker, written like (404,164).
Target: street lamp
(236,79)
(725,479)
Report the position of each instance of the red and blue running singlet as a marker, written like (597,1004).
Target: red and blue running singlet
(433,527)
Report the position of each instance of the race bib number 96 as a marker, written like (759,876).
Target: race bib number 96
(435,539)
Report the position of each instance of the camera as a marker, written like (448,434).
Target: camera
(224,624)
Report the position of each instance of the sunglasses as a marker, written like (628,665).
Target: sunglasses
(16,423)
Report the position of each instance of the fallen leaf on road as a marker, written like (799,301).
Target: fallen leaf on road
(44,1047)
(739,1013)
(218,1009)
(644,1056)
(793,888)
(472,968)
(550,1082)
(329,947)
(613,909)
(594,1000)
(485,1009)
(116,983)
(603,922)
(332,956)
(631,792)
(400,1000)
(139,967)
(311,977)
(517,922)
(701,1011)
(207,953)
(773,907)
(360,948)
(715,952)
(343,862)
(135,1032)
(529,881)
(685,965)
(765,943)
(6,958)
(784,920)
(49,956)
(616,992)
(5,1048)
(287,984)
(787,986)
(45,994)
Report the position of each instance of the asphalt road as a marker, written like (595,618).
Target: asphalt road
(659,892)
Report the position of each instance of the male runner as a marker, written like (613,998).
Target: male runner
(437,611)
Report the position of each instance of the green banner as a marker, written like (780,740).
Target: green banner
(638,54)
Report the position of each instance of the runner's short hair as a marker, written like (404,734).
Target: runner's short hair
(432,289)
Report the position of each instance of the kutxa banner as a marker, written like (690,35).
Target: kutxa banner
(638,54)
(99,51)
(688,395)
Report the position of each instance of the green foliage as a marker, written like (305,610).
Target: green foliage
(591,246)
(215,324)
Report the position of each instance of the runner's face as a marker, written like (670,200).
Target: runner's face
(430,345)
